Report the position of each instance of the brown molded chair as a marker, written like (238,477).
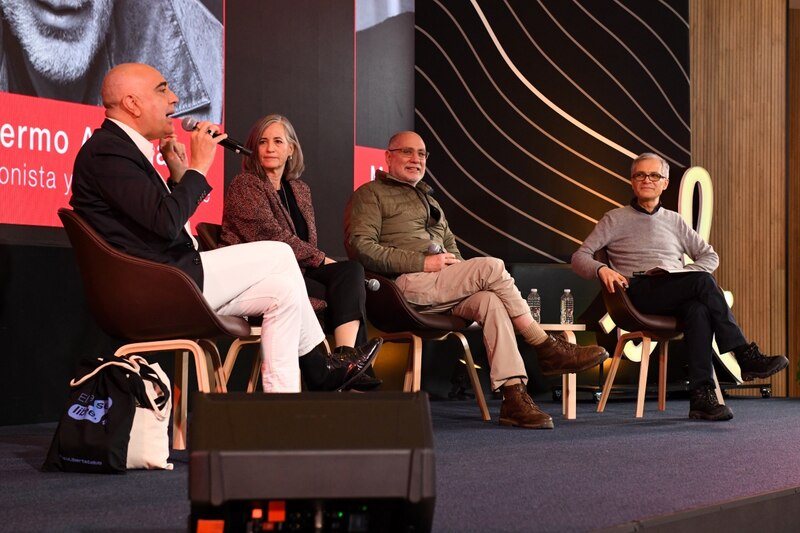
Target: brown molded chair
(398,321)
(209,234)
(647,328)
(158,307)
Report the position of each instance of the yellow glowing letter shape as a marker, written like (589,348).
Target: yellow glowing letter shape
(697,176)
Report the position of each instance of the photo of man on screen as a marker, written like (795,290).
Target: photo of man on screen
(61,49)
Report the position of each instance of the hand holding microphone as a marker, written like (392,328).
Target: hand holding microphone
(191,124)
(204,140)
(435,248)
(437,257)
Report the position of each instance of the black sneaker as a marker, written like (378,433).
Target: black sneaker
(703,405)
(755,364)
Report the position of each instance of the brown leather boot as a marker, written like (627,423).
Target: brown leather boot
(519,410)
(557,356)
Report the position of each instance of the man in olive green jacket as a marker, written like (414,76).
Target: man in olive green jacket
(394,226)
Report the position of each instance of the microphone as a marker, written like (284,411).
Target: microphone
(372,284)
(190,124)
(435,248)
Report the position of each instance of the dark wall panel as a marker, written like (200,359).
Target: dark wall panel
(384,80)
(297,59)
(45,328)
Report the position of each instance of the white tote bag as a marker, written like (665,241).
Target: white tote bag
(148,446)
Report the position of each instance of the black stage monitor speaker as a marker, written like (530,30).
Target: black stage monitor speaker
(314,461)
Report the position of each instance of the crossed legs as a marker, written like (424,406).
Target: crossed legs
(697,300)
(262,279)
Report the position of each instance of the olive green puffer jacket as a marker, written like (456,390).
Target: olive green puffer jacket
(389,225)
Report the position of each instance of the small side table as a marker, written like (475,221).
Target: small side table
(569,382)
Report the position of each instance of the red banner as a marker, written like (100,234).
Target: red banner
(366,161)
(39,139)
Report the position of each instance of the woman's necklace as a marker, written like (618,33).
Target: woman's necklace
(285,198)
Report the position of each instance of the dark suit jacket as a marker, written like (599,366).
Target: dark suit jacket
(122,196)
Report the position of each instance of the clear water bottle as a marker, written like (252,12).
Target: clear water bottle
(535,303)
(567,307)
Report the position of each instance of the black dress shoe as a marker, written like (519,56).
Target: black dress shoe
(347,365)
(366,383)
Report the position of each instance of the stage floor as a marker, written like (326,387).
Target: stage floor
(599,471)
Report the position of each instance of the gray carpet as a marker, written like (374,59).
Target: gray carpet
(595,472)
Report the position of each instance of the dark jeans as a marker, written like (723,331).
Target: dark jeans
(696,300)
(341,285)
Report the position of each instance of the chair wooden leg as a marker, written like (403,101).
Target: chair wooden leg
(612,372)
(643,376)
(717,389)
(180,400)
(235,348)
(180,388)
(201,363)
(218,380)
(662,375)
(255,372)
(414,353)
(413,378)
(473,375)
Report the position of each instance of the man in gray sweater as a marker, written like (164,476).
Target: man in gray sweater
(644,236)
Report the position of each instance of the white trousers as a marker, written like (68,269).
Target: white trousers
(262,279)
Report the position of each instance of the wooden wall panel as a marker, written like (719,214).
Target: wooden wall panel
(793,195)
(738,108)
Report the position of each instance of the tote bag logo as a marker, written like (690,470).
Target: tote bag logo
(88,408)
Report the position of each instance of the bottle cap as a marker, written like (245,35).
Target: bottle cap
(566,290)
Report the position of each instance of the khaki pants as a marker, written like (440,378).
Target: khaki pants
(478,289)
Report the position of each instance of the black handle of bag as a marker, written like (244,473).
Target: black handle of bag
(136,365)
(148,374)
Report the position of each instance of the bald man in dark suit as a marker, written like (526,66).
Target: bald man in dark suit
(117,189)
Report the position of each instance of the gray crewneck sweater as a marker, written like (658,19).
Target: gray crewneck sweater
(638,241)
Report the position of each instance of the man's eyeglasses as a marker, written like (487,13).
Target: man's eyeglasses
(655,177)
(409,152)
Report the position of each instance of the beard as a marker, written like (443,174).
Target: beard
(60,55)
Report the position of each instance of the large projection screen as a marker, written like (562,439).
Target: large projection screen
(53,57)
